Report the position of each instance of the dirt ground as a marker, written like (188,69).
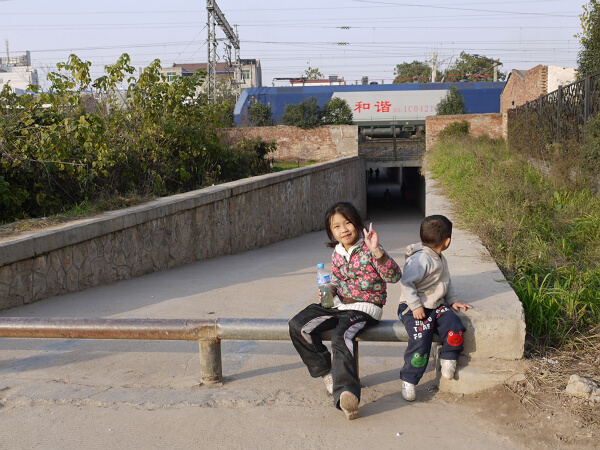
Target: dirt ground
(527,410)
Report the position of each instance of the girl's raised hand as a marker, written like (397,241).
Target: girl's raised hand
(372,241)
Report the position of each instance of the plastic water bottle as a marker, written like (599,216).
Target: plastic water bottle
(324,282)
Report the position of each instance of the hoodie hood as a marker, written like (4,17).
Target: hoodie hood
(416,248)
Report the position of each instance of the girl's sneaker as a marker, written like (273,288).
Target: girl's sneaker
(328,379)
(349,404)
(409,393)
(448,368)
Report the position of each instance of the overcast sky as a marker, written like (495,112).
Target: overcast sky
(349,38)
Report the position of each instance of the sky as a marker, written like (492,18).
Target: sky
(349,38)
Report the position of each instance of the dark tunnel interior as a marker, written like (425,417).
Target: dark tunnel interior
(394,190)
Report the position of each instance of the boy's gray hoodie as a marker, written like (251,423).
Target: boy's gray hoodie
(425,279)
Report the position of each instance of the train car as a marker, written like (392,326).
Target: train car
(377,108)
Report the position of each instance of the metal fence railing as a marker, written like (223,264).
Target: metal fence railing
(561,114)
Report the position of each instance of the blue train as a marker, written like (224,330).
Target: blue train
(404,106)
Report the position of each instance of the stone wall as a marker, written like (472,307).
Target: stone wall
(172,231)
(296,144)
(480,125)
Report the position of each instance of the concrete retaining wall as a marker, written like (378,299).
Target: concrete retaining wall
(296,144)
(172,231)
(480,125)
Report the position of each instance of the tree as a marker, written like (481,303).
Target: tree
(406,72)
(453,103)
(305,114)
(260,114)
(312,74)
(336,111)
(474,67)
(588,58)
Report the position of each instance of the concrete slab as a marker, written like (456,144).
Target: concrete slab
(65,393)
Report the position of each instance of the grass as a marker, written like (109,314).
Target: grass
(287,165)
(543,234)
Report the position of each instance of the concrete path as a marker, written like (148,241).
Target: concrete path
(73,394)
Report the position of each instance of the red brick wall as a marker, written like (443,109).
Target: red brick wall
(519,89)
(296,144)
(480,125)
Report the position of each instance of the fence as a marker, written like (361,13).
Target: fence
(561,114)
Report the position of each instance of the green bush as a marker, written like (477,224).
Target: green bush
(455,129)
(336,111)
(159,140)
(305,114)
(452,103)
(260,115)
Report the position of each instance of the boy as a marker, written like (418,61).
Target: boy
(426,296)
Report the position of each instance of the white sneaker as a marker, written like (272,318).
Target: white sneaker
(448,368)
(328,379)
(409,392)
(349,404)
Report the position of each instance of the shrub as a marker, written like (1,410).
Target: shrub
(336,111)
(260,115)
(456,129)
(305,114)
(452,103)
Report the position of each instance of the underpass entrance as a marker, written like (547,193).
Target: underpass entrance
(394,189)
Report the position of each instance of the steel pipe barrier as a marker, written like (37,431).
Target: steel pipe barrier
(208,333)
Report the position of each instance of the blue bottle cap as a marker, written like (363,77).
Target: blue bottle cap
(320,265)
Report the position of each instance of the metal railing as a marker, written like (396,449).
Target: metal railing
(208,333)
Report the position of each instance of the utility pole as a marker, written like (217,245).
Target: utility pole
(216,17)
(496,70)
(433,66)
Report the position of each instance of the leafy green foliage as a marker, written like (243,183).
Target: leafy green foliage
(452,103)
(470,65)
(155,139)
(406,72)
(305,114)
(588,59)
(455,129)
(312,74)
(543,235)
(336,111)
(260,115)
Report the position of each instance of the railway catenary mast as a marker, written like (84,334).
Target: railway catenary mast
(216,17)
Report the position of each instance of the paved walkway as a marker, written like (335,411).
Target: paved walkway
(73,394)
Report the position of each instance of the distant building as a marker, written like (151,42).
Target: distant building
(250,70)
(16,71)
(524,86)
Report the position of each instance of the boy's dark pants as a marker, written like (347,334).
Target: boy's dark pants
(442,321)
(305,330)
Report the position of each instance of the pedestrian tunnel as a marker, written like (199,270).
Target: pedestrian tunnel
(395,189)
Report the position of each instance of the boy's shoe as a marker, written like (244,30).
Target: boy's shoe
(448,368)
(349,404)
(328,379)
(409,393)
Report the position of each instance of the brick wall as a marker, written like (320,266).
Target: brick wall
(522,87)
(480,125)
(296,144)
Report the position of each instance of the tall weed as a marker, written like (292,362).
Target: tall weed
(543,234)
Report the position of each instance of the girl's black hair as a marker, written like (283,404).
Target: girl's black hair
(349,212)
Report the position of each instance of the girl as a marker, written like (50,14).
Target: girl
(360,269)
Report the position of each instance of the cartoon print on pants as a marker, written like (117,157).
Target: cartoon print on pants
(418,360)
(455,339)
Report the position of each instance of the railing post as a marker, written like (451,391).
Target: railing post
(587,97)
(211,367)
(558,107)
